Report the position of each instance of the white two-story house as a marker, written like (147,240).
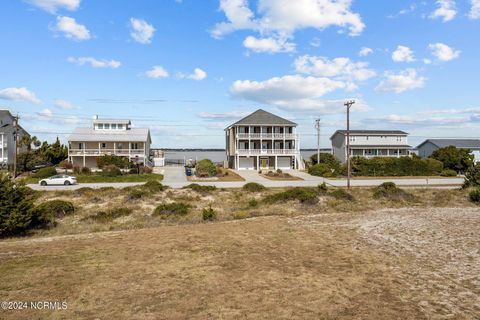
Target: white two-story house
(8,134)
(370,143)
(263,141)
(109,137)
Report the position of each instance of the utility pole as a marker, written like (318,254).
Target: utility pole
(15,150)
(317,126)
(348,104)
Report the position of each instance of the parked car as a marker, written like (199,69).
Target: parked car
(61,179)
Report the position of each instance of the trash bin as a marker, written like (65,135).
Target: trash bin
(188,171)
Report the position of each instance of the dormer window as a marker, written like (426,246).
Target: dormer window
(114,126)
(100,126)
(120,126)
(107,126)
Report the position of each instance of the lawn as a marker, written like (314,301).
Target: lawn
(93,178)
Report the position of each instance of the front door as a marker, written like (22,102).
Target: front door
(264,163)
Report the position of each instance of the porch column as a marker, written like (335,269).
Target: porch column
(364,152)
(114,148)
(129,150)
(398,153)
(276,164)
(2,150)
(84,145)
(258,163)
(99,148)
(249,139)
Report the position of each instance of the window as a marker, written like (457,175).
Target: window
(106,126)
(104,145)
(114,126)
(134,146)
(120,146)
(120,126)
(100,126)
(367,137)
(80,146)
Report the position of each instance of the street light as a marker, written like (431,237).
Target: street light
(348,104)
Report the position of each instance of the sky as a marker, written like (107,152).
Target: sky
(188,68)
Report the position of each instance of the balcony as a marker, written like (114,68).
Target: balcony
(256,152)
(101,152)
(266,136)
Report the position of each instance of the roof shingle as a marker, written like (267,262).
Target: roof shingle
(262,117)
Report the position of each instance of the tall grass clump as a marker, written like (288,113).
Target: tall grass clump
(253,187)
(390,191)
(304,195)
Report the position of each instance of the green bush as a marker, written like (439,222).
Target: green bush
(135,194)
(208,214)
(111,171)
(474,195)
(304,195)
(112,160)
(86,171)
(472,176)
(17,211)
(253,203)
(110,215)
(328,166)
(321,170)
(153,186)
(199,188)
(169,209)
(322,188)
(205,168)
(45,173)
(341,194)
(454,158)
(253,187)
(390,191)
(448,173)
(65,164)
(50,210)
(390,166)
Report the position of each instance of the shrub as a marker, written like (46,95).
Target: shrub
(252,203)
(322,188)
(341,194)
(454,158)
(50,210)
(153,186)
(253,187)
(448,173)
(45,173)
(209,214)
(168,209)
(304,195)
(390,166)
(321,170)
(86,170)
(279,171)
(390,191)
(135,194)
(199,188)
(17,211)
(110,215)
(112,160)
(65,164)
(474,195)
(111,171)
(77,169)
(146,170)
(472,177)
(205,168)
(133,171)
(84,190)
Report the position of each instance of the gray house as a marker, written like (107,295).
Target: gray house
(263,141)
(370,143)
(7,138)
(426,148)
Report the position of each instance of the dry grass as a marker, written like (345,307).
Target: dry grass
(281,177)
(334,259)
(228,175)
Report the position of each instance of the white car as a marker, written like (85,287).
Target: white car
(61,179)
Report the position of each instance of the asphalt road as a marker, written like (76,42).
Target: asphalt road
(175,178)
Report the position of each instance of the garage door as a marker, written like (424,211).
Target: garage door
(284,163)
(246,164)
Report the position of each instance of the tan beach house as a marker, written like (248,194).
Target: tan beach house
(109,137)
(263,141)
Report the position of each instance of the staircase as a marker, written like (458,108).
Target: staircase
(301,163)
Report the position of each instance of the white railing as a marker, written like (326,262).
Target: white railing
(267,151)
(288,136)
(98,152)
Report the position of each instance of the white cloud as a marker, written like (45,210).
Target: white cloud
(48,115)
(95,63)
(365,52)
(474,10)
(71,29)
(400,82)
(223,115)
(443,52)
(427,61)
(157,72)
(284,17)
(198,74)
(268,45)
(19,94)
(291,92)
(52,6)
(142,31)
(341,68)
(446,10)
(63,104)
(403,54)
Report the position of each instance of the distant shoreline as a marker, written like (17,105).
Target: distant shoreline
(219,150)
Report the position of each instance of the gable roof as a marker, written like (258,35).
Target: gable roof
(371,132)
(262,117)
(89,135)
(459,143)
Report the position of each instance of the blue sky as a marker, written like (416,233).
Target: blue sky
(187,69)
